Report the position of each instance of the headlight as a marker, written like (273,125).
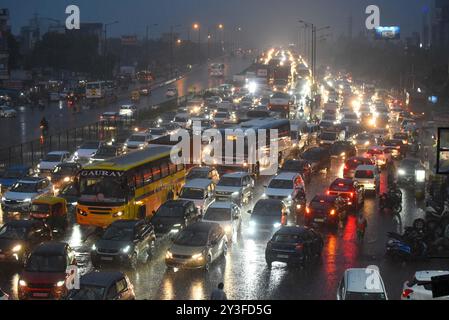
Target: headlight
(366,143)
(228,229)
(276,225)
(66,179)
(39,166)
(236,194)
(126,249)
(401,172)
(27,200)
(3,199)
(252,223)
(17,248)
(118,214)
(264,195)
(60,283)
(289,198)
(198,256)
(75,154)
(168,255)
(94,247)
(22,283)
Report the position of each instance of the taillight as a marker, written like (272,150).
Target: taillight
(332,213)
(307,210)
(351,195)
(406,293)
(345,167)
(328,192)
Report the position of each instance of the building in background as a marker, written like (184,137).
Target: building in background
(440,24)
(92,29)
(4,53)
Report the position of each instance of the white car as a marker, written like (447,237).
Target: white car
(288,187)
(362,284)
(138,141)
(199,191)
(7,112)
(51,161)
(19,197)
(127,110)
(420,288)
(368,176)
(227,215)
(86,151)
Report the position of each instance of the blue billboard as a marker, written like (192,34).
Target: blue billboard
(387,33)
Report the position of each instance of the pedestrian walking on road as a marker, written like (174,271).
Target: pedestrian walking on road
(218,293)
(362,224)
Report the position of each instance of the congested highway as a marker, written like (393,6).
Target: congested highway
(244,269)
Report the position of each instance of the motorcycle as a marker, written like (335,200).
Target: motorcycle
(410,245)
(391,200)
(437,217)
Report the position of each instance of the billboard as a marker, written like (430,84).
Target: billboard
(387,33)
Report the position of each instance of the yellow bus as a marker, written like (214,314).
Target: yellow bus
(132,186)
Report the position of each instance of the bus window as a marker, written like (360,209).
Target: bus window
(164,169)
(172,168)
(180,167)
(156,172)
(139,180)
(148,176)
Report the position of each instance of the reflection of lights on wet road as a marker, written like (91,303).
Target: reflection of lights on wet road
(197,291)
(76,239)
(168,292)
(14,285)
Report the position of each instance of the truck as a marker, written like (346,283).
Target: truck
(281,102)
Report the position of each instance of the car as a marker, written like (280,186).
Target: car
(19,237)
(380,155)
(183,120)
(46,275)
(396,147)
(200,191)
(69,193)
(401,136)
(343,149)
(104,286)
(222,117)
(13,174)
(406,170)
(125,242)
(86,151)
(171,92)
(352,163)
(50,161)
(137,141)
(128,110)
(197,247)
(318,158)
(173,216)
(294,245)
(288,187)
(364,140)
(203,173)
(368,176)
(349,190)
(420,287)
(298,166)
(228,215)
(353,285)
(326,209)
(237,187)
(107,152)
(158,132)
(267,216)
(7,112)
(110,118)
(64,173)
(19,197)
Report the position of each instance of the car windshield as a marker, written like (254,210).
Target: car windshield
(13,174)
(286,238)
(364,174)
(116,233)
(341,186)
(46,263)
(408,164)
(280,95)
(320,204)
(137,138)
(314,154)
(192,238)
(221,115)
(293,166)
(363,137)
(158,132)
(40,207)
(102,189)
(192,193)
(52,158)
(281,184)
(364,296)
(267,209)
(403,136)
(88,293)
(24,187)
(69,190)
(229,182)
(328,136)
(197,174)
(167,211)
(89,146)
(9,232)
(218,214)
(106,152)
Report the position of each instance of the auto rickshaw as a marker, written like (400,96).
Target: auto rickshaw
(52,210)
(135,96)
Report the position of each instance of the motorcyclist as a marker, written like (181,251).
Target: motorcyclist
(362,224)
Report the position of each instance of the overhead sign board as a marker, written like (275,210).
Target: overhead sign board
(387,33)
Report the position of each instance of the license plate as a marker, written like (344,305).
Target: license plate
(282,256)
(318,220)
(107,258)
(40,295)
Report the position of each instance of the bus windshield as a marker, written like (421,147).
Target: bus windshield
(102,189)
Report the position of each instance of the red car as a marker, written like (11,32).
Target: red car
(46,273)
(349,190)
(352,163)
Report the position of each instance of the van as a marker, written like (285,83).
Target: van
(368,176)
(200,191)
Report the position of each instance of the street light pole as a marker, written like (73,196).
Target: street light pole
(147,39)
(106,45)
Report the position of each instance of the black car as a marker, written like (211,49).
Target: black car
(19,237)
(64,173)
(107,152)
(298,166)
(318,158)
(294,245)
(268,215)
(406,171)
(343,149)
(125,242)
(326,209)
(104,286)
(175,215)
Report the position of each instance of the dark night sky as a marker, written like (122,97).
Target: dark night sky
(263,21)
